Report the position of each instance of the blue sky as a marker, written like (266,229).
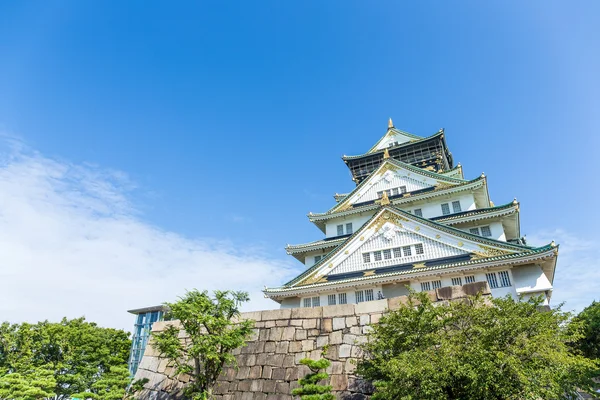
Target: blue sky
(221,124)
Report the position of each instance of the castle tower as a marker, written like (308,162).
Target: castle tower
(413,220)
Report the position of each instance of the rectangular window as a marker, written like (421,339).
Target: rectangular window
(387,254)
(343,299)
(456,206)
(436,284)
(377,255)
(402,189)
(316,301)
(492,280)
(457,281)
(369,295)
(331,299)
(389,192)
(419,248)
(395,192)
(366,257)
(445,209)
(504,278)
(407,251)
(397,252)
(340,230)
(380,194)
(470,279)
(318,258)
(419,212)
(486,231)
(360,296)
(349,228)
(425,286)
(474,231)
(307,302)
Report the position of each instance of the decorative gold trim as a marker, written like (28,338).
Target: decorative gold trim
(487,252)
(419,265)
(417,228)
(437,236)
(362,238)
(386,154)
(346,252)
(460,244)
(369,273)
(345,206)
(385,200)
(390,124)
(387,216)
(387,167)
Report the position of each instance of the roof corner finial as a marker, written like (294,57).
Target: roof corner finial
(390,124)
(515,201)
(553,244)
(385,200)
(483,174)
(386,154)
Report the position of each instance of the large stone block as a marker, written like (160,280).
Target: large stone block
(339,323)
(345,350)
(340,310)
(339,382)
(283,313)
(472,289)
(335,337)
(288,333)
(307,313)
(252,315)
(367,307)
(327,324)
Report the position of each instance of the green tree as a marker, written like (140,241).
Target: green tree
(589,321)
(72,358)
(310,389)
(213,334)
(477,349)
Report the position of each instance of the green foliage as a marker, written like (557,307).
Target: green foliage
(72,358)
(310,389)
(476,349)
(213,334)
(589,322)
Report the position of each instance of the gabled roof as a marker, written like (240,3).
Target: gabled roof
(415,139)
(456,172)
(397,134)
(297,250)
(340,196)
(474,250)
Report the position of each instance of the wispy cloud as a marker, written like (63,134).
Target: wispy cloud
(72,243)
(577,271)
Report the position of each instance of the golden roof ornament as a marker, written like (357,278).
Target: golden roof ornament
(385,200)
(386,154)
(390,124)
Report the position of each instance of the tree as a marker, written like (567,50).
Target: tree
(476,349)
(212,335)
(589,321)
(310,389)
(72,358)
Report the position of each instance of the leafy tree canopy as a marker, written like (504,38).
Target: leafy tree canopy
(477,349)
(210,323)
(72,358)
(589,321)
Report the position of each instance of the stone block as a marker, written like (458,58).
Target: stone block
(256,386)
(269,386)
(313,333)
(349,338)
(351,321)
(375,318)
(261,359)
(335,337)
(243,373)
(255,372)
(369,307)
(326,324)
(253,315)
(275,360)
(339,323)
(283,388)
(322,341)
(339,382)
(315,354)
(244,386)
(350,366)
(278,374)
(296,322)
(288,361)
(307,313)
(266,372)
(282,347)
(301,334)
(270,347)
(308,345)
(282,322)
(365,319)
(269,324)
(275,334)
(340,310)
(309,324)
(344,351)
(332,353)
(450,292)
(282,313)
(295,347)
(356,352)
(263,335)
(288,333)
(291,374)
(336,368)
(471,289)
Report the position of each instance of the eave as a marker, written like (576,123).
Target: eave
(418,139)
(299,251)
(392,131)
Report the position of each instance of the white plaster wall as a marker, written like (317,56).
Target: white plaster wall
(496,228)
(350,295)
(290,302)
(390,180)
(530,278)
(392,138)
(357,221)
(309,261)
(434,208)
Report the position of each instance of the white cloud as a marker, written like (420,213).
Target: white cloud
(577,271)
(72,244)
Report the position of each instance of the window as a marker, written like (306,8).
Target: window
(377,255)
(419,248)
(348,228)
(340,230)
(395,192)
(456,206)
(331,299)
(387,254)
(486,231)
(445,209)
(474,231)
(457,281)
(436,284)
(470,279)
(492,280)
(366,257)
(343,299)
(402,189)
(504,278)
(369,295)
(397,252)
(307,302)
(419,212)
(380,194)
(425,286)
(316,301)
(318,258)
(360,296)
(407,251)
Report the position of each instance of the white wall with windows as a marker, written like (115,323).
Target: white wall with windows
(350,296)
(332,228)
(445,206)
(492,230)
(530,278)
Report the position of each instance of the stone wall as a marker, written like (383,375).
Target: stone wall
(268,367)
